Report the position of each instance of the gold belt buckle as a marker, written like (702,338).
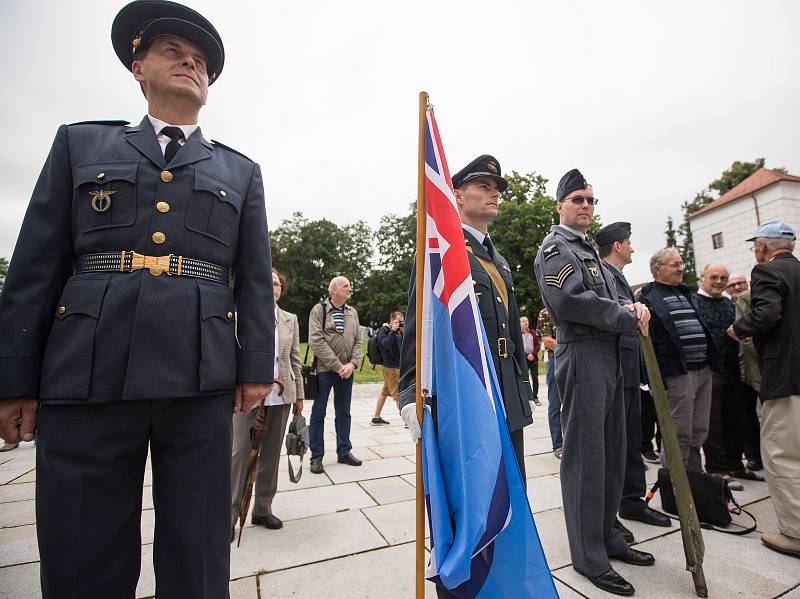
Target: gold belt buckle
(502,347)
(155,264)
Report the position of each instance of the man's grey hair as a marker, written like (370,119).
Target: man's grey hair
(660,256)
(776,243)
(336,282)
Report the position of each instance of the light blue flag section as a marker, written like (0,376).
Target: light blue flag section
(483,537)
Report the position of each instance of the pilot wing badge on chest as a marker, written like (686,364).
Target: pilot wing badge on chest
(593,269)
(101,200)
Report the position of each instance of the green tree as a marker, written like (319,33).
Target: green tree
(386,286)
(671,234)
(3,269)
(311,253)
(525,216)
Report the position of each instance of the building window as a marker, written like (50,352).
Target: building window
(716,240)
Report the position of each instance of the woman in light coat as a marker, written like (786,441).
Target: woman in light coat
(287,371)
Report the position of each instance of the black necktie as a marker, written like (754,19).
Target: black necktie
(175,136)
(487,243)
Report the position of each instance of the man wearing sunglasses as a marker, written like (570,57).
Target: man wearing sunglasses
(581,296)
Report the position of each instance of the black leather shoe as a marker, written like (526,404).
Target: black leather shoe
(268,521)
(648,516)
(349,459)
(635,558)
(316,466)
(612,582)
(626,534)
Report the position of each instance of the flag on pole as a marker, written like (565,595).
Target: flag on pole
(483,538)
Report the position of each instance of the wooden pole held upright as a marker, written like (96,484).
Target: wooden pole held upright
(420,281)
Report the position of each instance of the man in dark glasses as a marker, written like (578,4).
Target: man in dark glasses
(581,296)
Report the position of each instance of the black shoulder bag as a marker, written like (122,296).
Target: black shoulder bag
(296,444)
(309,373)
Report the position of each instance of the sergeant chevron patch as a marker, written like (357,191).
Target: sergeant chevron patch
(558,280)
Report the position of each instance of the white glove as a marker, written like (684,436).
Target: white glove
(409,416)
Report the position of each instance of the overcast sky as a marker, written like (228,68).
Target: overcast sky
(650,101)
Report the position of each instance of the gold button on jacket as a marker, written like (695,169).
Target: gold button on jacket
(162,207)
(166,176)
(159,237)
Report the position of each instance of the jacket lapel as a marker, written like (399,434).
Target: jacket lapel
(143,138)
(195,149)
(478,249)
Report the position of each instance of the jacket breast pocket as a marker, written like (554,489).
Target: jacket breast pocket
(214,209)
(69,355)
(217,338)
(105,194)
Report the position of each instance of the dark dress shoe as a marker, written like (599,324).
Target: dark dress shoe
(611,582)
(316,466)
(626,534)
(648,516)
(268,521)
(745,474)
(635,558)
(349,459)
(754,465)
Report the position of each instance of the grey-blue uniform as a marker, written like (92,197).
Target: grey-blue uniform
(581,296)
(139,294)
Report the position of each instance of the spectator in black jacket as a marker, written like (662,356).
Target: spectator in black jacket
(390,340)
(684,350)
(774,325)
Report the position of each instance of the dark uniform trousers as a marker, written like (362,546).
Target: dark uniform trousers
(123,361)
(580,294)
(634,486)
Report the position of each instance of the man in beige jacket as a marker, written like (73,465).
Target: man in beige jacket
(333,334)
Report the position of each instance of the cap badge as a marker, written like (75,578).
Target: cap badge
(491,166)
(101,200)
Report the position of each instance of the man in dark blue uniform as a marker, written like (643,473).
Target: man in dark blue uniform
(477,189)
(118,322)
(615,249)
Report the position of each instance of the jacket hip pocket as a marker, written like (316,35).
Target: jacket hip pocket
(69,354)
(217,338)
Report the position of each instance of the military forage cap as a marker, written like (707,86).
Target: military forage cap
(482,166)
(613,232)
(776,229)
(138,23)
(572,181)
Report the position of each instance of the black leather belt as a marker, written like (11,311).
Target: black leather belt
(130,261)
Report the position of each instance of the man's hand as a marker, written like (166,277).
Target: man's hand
(298,406)
(18,419)
(409,416)
(732,334)
(642,313)
(247,395)
(530,357)
(346,370)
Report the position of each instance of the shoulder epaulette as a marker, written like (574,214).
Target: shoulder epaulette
(222,145)
(109,123)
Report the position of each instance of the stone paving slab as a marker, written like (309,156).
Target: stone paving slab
(20,582)
(540,465)
(18,545)
(17,492)
(18,513)
(245,588)
(291,505)
(395,449)
(386,573)
(395,521)
(389,490)
(342,473)
(544,493)
(553,534)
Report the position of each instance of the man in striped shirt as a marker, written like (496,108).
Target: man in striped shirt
(685,352)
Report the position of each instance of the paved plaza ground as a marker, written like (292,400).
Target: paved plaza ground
(349,533)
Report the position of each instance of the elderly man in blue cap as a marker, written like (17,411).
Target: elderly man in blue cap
(774,325)
(581,296)
(118,322)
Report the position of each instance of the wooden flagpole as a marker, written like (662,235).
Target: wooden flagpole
(420,281)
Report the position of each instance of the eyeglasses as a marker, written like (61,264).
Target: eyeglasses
(276,284)
(737,284)
(677,265)
(578,200)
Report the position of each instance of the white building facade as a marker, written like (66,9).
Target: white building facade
(719,230)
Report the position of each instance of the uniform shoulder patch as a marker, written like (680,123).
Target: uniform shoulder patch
(549,251)
(557,280)
(108,123)
(222,145)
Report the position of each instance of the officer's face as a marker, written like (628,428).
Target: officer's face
(577,216)
(173,67)
(625,250)
(477,200)
(714,280)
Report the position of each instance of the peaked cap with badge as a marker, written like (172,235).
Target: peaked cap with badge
(119,317)
(141,21)
(619,231)
(483,166)
(571,181)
